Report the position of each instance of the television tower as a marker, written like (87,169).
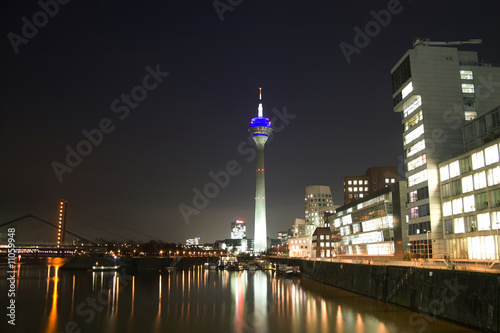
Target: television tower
(260,128)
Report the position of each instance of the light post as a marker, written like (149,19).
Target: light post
(427,236)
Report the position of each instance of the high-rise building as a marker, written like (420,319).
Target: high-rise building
(318,199)
(374,179)
(238,230)
(260,128)
(436,88)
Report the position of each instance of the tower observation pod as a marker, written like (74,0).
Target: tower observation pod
(260,128)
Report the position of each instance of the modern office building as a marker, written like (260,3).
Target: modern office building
(373,180)
(436,88)
(470,192)
(318,199)
(238,229)
(260,128)
(372,226)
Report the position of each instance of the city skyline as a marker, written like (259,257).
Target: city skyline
(189,73)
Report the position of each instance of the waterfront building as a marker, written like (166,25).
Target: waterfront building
(373,180)
(322,243)
(260,128)
(238,229)
(470,192)
(372,226)
(436,88)
(299,247)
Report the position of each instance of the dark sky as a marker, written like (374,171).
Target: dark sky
(66,76)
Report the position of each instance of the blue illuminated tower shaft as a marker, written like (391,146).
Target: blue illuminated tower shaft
(260,128)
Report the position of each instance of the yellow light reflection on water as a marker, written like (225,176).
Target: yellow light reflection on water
(52,321)
(340,320)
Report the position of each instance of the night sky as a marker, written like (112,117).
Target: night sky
(74,75)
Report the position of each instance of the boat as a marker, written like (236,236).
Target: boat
(212,266)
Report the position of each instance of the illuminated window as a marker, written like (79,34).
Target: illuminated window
(417,178)
(355,189)
(447,208)
(360,189)
(491,155)
(413,121)
(477,160)
(366,181)
(355,182)
(412,107)
(479,180)
(467,88)
(322,244)
(457,206)
(469,204)
(366,188)
(349,189)
(414,134)
(444,173)
(467,184)
(415,148)
(321,237)
(483,222)
(407,90)
(419,161)
(349,182)
(494,176)
(361,195)
(466,75)
(454,169)
(469,115)
(458,225)
(394,180)
(495,220)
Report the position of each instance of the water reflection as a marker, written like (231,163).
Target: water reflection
(197,300)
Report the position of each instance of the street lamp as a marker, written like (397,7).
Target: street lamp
(427,236)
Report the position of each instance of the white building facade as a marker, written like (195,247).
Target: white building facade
(436,89)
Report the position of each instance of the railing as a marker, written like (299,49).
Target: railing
(400,283)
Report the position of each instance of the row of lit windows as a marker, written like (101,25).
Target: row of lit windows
(419,146)
(417,162)
(417,178)
(412,107)
(355,189)
(479,159)
(467,88)
(469,183)
(350,196)
(413,121)
(355,182)
(466,75)
(319,196)
(471,203)
(481,222)
(407,90)
(413,135)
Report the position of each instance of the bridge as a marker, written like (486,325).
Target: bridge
(61,234)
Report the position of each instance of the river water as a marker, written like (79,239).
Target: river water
(196,300)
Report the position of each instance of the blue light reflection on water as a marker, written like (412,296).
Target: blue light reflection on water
(49,299)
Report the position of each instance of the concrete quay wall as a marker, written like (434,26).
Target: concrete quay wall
(465,297)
